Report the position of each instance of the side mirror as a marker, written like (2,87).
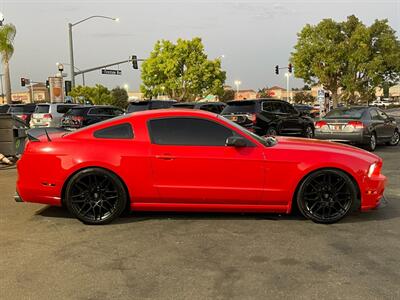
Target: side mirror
(236,141)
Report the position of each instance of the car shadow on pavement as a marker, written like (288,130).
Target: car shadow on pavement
(383,213)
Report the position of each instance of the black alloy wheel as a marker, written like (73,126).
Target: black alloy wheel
(326,196)
(271,131)
(394,140)
(309,132)
(95,196)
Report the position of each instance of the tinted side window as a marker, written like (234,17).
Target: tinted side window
(289,109)
(103,111)
(278,108)
(62,109)
(267,106)
(188,131)
(120,131)
(374,114)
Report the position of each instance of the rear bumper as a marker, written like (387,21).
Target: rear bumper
(356,137)
(372,194)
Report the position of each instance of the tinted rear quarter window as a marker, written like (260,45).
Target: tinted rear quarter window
(62,109)
(347,113)
(23,109)
(76,111)
(188,131)
(4,109)
(240,107)
(120,131)
(42,109)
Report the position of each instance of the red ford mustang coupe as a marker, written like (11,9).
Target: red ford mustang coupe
(185,160)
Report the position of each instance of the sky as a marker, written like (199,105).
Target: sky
(253,36)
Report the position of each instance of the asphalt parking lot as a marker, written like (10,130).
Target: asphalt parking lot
(47,254)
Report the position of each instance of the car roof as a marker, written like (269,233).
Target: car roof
(256,100)
(148,101)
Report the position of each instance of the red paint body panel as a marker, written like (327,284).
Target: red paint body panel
(196,178)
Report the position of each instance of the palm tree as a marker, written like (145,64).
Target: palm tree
(7,34)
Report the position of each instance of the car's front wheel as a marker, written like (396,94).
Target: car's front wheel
(95,196)
(394,140)
(326,196)
(371,146)
(309,132)
(271,131)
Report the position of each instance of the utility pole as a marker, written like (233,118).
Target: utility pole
(71,55)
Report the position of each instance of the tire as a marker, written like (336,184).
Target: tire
(371,146)
(308,132)
(271,131)
(394,140)
(326,196)
(95,196)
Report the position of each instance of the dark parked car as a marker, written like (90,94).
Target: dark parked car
(365,126)
(269,117)
(81,116)
(4,108)
(23,111)
(215,107)
(148,105)
(307,110)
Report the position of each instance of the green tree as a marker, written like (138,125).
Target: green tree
(119,97)
(182,71)
(7,35)
(98,94)
(302,97)
(263,93)
(347,55)
(227,95)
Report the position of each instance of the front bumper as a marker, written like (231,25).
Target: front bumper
(372,194)
(17,197)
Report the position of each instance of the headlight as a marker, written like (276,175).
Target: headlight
(375,169)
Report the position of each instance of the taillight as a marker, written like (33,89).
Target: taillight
(24,117)
(77,118)
(320,124)
(356,124)
(252,117)
(47,116)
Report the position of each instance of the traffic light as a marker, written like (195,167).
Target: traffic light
(134,62)
(68,87)
(290,69)
(23,82)
(47,84)
(277,70)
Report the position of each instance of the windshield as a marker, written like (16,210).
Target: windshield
(345,113)
(137,107)
(75,111)
(4,109)
(240,107)
(18,109)
(268,143)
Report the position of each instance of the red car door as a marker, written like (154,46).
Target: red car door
(192,165)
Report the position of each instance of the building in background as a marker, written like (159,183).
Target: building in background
(245,94)
(40,94)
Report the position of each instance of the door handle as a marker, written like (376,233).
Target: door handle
(165,157)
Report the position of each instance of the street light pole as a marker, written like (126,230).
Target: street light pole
(71,55)
(287,86)
(71,46)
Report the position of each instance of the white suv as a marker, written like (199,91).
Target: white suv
(49,114)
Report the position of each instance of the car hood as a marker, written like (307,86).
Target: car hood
(303,144)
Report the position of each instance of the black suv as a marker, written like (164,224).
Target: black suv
(81,116)
(149,104)
(269,117)
(215,107)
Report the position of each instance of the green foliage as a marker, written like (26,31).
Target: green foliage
(263,93)
(303,98)
(182,71)
(97,95)
(227,95)
(7,35)
(348,55)
(119,97)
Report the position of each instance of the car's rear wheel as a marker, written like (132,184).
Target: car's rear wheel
(371,146)
(326,196)
(394,140)
(309,132)
(271,131)
(95,196)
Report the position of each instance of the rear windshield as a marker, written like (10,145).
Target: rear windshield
(62,109)
(240,107)
(4,109)
(185,105)
(347,113)
(161,104)
(76,111)
(137,107)
(42,109)
(22,109)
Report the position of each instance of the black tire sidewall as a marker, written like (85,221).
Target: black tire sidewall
(395,144)
(305,132)
(121,202)
(272,128)
(308,178)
